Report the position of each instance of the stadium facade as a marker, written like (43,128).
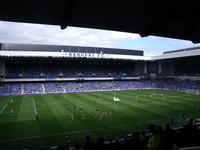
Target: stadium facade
(23,65)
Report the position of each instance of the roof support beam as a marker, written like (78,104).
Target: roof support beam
(67,13)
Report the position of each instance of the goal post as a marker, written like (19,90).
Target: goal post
(115,98)
(195,92)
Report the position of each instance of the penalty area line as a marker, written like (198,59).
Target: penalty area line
(16,120)
(34,107)
(3,108)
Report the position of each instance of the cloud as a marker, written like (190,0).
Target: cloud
(124,36)
(11,32)
(155,45)
(49,34)
(179,42)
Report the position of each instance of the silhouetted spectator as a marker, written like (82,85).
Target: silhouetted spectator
(154,141)
(143,140)
(110,145)
(190,134)
(88,145)
(117,145)
(78,146)
(125,144)
(63,147)
(43,148)
(168,138)
(100,144)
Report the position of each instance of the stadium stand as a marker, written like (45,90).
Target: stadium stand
(46,71)
(91,86)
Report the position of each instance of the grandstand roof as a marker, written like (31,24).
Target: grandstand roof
(170,18)
(33,50)
(70,55)
(178,54)
(64,48)
(182,50)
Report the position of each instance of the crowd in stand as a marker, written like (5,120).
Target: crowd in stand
(15,89)
(70,87)
(59,71)
(31,88)
(156,138)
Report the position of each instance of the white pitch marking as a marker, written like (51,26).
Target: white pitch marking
(3,108)
(16,120)
(34,107)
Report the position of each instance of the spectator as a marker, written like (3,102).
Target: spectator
(154,141)
(168,138)
(100,145)
(88,145)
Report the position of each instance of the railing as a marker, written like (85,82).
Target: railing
(69,79)
(190,148)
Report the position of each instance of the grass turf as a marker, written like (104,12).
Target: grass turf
(19,127)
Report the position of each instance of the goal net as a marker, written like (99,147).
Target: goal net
(195,92)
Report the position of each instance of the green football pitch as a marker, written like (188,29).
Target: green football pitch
(56,119)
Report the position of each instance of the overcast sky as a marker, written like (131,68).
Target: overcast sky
(47,34)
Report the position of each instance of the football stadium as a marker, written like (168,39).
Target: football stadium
(58,97)
(106,96)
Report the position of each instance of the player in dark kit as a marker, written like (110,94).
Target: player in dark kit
(36,117)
